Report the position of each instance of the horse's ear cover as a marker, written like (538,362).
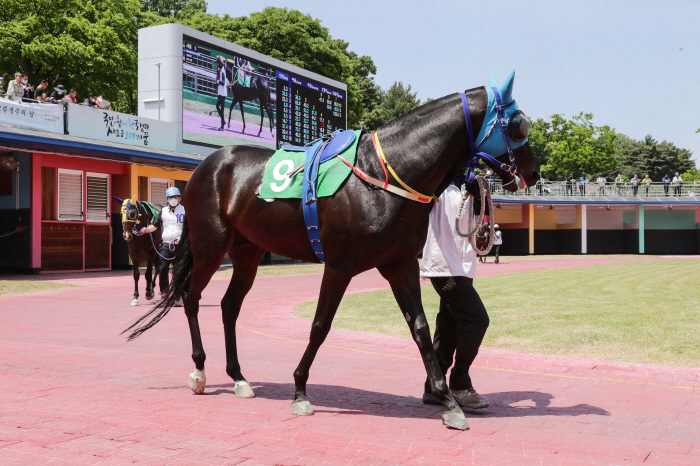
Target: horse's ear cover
(119,199)
(506,89)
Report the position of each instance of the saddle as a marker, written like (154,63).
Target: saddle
(319,151)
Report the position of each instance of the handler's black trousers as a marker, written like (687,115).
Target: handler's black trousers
(220,107)
(460,326)
(163,279)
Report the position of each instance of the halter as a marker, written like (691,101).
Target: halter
(474,156)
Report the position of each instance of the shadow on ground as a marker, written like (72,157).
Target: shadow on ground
(356,401)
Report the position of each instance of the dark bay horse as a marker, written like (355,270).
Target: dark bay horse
(259,90)
(362,227)
(135,216)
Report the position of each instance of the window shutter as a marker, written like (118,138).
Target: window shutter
(97,197)
(70,195)
(158,188)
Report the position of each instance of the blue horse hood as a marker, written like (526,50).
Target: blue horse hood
(494,144)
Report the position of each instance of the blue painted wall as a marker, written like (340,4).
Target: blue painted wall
(25,175)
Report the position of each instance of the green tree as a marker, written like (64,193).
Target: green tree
(538,138)
(650,157)
(394,102)
(175,8)
(87,45)
(579,147)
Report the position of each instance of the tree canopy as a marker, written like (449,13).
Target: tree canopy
(87,45)
(650,157)
(574,146)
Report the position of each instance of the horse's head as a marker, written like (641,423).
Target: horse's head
(504,132)
(131,217)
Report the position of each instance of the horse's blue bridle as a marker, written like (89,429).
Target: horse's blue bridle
(474,156)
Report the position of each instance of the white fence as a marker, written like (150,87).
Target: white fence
(44,117)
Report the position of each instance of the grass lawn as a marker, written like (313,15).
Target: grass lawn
(644,312)
(277,270)
(13,287)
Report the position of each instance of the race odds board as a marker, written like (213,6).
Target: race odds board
(307,110)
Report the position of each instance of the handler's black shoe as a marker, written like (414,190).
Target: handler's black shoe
(470,399)
(465,398)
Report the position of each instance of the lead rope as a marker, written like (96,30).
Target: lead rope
(468,200)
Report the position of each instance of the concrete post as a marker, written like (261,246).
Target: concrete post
(641,229)
(531,228)
(584,230)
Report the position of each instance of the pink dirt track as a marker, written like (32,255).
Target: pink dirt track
(74,392)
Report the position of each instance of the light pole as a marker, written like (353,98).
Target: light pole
(158,65)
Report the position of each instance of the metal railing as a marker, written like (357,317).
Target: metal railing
(609,189)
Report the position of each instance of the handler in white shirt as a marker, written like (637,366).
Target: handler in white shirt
(171,220)
(450,263)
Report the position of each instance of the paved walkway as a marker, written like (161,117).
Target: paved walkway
(73,392)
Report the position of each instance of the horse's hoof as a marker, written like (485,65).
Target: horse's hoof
(198,381)
(455,419)
(302,408)
(149,296)
(242,389)
(134,302)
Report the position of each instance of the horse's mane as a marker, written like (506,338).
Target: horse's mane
(424,110)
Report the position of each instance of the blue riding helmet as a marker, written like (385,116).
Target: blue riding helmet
(170,192)
(491,138)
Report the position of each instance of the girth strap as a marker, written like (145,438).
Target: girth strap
(310,206)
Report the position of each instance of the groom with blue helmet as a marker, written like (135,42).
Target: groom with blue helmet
(170,220)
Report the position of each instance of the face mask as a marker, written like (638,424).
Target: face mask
(25,81)
(173,202)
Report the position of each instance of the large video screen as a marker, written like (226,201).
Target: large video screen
(228,98)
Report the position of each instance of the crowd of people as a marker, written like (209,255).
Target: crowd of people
(622,186)
(20,90)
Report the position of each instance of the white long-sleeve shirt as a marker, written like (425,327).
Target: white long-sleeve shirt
(446,254)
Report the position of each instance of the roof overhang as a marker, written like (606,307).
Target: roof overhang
(517,199)
(49,143)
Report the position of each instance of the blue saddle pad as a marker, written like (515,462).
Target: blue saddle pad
(340,140)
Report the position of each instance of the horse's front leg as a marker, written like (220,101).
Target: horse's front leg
(230,109)
(404,278)
(333,286)
(240,104)
(135,301)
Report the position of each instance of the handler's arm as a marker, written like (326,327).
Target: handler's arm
(156,222)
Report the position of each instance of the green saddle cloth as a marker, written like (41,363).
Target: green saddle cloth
(332,173)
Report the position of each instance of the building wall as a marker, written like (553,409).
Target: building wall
(670,232)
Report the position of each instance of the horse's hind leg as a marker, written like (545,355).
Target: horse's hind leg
(403,276)
(230,110)
(333,286)
(269,115)
(135,265)
(245,259)
(150,280)
(262,116)
(207,257)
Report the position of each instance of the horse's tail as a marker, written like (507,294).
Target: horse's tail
(177,288)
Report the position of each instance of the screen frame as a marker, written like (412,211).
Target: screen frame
(305,74)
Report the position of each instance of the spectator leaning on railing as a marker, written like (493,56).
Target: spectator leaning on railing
(59,92)
(618,184)
(677,182)
(601,184)
(583,179)
(646,182)
(667,182)
(91,100)
(635,184)
(40,91)
(28,95)
(2,81)
(15,90)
